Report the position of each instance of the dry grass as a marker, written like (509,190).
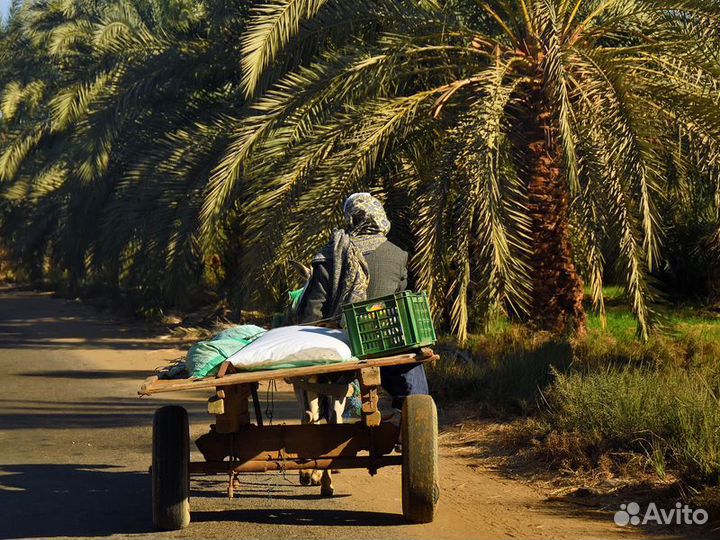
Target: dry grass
(527,449)
(561,465)
(605,413)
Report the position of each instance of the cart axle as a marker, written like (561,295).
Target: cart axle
(227,467)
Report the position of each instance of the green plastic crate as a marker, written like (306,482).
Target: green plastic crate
(389,325)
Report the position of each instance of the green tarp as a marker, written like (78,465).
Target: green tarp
(205,357)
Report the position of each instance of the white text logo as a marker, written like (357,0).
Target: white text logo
(681,514)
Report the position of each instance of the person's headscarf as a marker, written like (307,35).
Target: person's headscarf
(366,227)
(365,221)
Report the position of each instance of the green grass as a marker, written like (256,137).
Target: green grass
(688,321)
(619,323)
(672,319)
(672,416)
(612,392)
(611,293)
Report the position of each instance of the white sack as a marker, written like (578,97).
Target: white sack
(294,346)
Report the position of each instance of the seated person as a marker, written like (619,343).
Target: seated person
(360,263)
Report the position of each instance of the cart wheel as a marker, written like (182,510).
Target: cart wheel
(420,479)
(170,464)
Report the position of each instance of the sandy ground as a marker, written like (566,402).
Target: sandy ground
(75,451)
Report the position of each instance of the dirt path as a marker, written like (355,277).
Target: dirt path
(75,450)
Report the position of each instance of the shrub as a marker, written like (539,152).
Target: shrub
(608,392)
(669,414)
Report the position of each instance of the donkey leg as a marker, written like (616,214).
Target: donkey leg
(314,415)
(336,411)
(338,408)
(326,485)
(307,416)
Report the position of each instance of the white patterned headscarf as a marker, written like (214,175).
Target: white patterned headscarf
(365,221)
(366,227)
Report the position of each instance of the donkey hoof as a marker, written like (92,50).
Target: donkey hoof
(305,478)
(316,478)
(327,491)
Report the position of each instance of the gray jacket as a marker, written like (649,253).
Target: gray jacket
(387,265)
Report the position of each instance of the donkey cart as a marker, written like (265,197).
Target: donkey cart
(235,445)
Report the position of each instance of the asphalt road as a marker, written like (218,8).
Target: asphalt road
(75,451)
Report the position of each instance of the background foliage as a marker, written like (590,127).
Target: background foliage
(179,152)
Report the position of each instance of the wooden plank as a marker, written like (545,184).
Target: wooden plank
(235,409)
(148,383)
(370,376)
(216,405)
(153,385)
(306,441)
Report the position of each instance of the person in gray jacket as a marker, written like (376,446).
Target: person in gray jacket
(360,263)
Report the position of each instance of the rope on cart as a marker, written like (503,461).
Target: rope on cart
(283,473)
(320,321)
(274,480)
(270,400)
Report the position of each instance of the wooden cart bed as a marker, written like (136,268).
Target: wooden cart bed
(234,445)
(155,385)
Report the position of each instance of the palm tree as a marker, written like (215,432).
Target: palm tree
(104,166)
(691,266)
(516,137)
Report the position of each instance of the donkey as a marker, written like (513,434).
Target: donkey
(318,397)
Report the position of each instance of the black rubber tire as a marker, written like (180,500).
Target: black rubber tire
(420,477)
(170,469)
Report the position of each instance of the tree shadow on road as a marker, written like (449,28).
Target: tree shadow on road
(81,501)
(73,500)
(32,321)
(111,413)
(303,516)
(134,375)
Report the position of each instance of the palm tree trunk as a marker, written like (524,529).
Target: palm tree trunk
(557,288)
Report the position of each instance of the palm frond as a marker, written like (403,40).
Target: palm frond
(270,28)
(16,152)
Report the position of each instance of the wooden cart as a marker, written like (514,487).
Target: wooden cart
(235,445)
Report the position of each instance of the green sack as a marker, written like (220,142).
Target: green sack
(295,297)
(205,357)
(243,331)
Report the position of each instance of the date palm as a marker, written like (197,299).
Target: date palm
(516,137)
(114,113)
